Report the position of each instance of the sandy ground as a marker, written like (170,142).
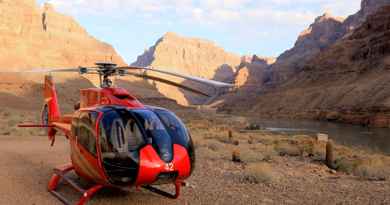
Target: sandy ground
(27,160)
(26,164)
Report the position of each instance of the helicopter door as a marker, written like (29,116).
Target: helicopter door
(85,158)
(87,133)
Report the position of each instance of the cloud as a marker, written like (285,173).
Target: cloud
(212,12)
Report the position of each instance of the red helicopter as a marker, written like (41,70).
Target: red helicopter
(115,140)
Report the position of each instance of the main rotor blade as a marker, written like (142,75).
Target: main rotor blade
(55,70)
(169,83)
(183,76)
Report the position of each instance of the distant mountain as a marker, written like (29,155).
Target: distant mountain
(368,7)
(32,37)
(196,57)
(341,77)
(324,32)
(251,72)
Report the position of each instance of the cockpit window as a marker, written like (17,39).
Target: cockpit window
(174,126)
(156,133)
(120,132)
(120,137)
(128,130)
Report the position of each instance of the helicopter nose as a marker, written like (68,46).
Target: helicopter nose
(152,169)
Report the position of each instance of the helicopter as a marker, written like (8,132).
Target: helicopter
(115,140)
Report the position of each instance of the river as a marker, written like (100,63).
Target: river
(373,139)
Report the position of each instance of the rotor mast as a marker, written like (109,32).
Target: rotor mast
(105,71)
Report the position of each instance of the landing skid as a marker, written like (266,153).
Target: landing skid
(164,193)
(60,176)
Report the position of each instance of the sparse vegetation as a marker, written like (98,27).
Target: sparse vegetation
(254,150)
(256,173)
(287,149)
(12,118)
(369,169)
(373,169)
(251,160)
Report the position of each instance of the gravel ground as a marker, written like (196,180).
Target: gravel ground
(26,164)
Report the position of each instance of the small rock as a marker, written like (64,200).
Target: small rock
(236,142)
(253,126)
(322,137)
(236,156)
(250,140)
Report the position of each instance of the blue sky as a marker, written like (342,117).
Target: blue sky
(266,28)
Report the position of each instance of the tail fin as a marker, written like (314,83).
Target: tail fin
(51,107)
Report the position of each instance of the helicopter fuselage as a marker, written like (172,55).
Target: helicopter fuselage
(101,129)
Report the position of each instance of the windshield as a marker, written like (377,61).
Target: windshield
(122,132)
(128,130)
(174,126)
(156,133)
(119,139)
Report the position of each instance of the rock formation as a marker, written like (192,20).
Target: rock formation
(325,31)
(33,37)
(346,82)
(368,7)
(252,71)
(196,57)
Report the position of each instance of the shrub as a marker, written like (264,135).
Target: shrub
(257,173)
(346,165)
(251,156)
(267,151)
(372,169)
(287,149)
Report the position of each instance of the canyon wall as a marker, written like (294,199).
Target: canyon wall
(33,37)
(348,81)
(191,56)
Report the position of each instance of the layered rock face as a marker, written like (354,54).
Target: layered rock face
(325,31)
(368,7)
(358,68)
(251,72)
(347,82)
(32,37)
(196,57)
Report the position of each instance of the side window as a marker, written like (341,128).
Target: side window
(86,131)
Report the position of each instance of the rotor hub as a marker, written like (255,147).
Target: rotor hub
(105,70)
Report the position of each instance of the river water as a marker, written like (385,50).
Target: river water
(373,139)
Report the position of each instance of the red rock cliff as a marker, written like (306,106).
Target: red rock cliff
(32,37)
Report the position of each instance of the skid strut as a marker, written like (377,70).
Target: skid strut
(60,175)
(164,193)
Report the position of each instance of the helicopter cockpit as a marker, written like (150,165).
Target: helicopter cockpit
(123,132)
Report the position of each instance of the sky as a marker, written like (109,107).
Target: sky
(245,27)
